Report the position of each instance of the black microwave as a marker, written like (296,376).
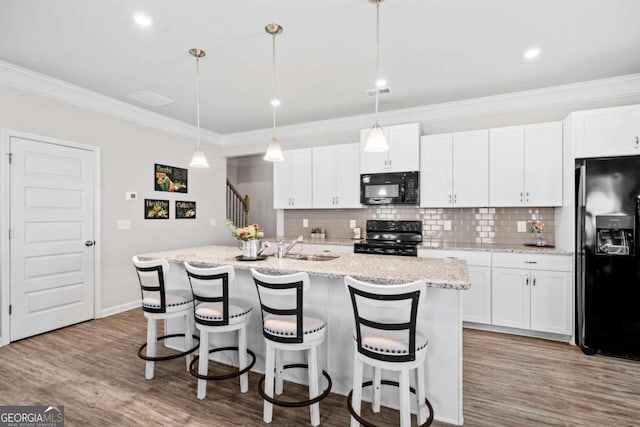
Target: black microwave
(395,188)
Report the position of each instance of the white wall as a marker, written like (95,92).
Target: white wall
(129,152)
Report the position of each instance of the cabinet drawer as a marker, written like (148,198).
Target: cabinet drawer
(533,261)
(472,258)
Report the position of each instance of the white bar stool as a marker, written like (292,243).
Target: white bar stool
(285,327)
(386,338)
(215,312)
(161,304)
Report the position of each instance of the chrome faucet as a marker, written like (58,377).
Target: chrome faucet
(282,251)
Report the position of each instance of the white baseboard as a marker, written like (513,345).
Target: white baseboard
(119,309)
(521,332)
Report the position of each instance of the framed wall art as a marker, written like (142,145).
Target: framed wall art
(185,210)
(170,178)
(156,209)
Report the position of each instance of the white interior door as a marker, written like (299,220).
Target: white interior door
(52,222)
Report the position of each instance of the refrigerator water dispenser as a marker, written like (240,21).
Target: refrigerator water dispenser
(615,234)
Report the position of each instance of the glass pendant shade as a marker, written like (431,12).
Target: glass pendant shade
(199,160)
(274,152)
(376,142)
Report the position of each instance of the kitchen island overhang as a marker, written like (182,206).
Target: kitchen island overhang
(440,317)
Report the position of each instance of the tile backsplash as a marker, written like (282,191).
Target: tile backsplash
(489,226)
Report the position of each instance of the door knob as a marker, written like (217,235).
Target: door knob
(89,243)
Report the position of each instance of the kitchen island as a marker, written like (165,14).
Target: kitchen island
(440,317)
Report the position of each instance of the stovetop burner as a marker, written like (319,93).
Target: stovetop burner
(391,238)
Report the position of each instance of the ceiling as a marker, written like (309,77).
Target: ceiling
(431,51)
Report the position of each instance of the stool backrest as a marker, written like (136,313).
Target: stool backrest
(281,297)
(211,285)
(386,312)
(152,276)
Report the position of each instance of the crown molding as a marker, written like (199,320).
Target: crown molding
(17,77)
(593,90)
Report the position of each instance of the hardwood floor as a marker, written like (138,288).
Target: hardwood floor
(92,369)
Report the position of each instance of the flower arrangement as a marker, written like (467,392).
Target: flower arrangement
(250,232)
(536,227)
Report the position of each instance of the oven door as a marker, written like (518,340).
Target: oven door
(381,189)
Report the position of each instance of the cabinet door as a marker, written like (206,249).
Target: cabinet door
(608,131)
(282,182)
(324,177)
(301,178)
(476,301)
(551,301)
(506,161)
(543,164)
(373,162)
(436,160)
(471,169)
(404,147)
(510,298)
(347,176)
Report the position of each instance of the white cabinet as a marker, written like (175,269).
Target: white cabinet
(526,165)
(476,301)
(403,154)
(292,180)
(607,132)
(532,292)
(336,177)
(454,170)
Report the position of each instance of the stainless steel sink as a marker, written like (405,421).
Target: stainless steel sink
(312,257)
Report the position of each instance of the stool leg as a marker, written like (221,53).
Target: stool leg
(242,358)
(313,385)
(203,363)
(357,388)
(279,371)
(422,394)
(269,368)
(405,403)
(377,378)
(151,347)
(188,338)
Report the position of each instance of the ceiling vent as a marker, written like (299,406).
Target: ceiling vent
(381,91)
(151,99)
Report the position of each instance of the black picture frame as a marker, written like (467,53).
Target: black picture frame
(185,209)
(170,178)
(156,209)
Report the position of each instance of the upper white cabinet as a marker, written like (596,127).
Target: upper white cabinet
(526,165)
(292,180)
(336,176)
(454,170)
(607,132)
(403,154)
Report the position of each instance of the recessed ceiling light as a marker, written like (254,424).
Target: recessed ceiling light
(532,53)
(275,102)
(142,19)
(381,82)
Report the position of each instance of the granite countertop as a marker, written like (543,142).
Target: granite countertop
(478,247)
(437,273)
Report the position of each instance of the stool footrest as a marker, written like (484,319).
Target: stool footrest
(299,403)
(366,423)
(193,371)
(171,356)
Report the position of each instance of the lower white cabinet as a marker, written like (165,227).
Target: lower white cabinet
(532,298)
(476,301)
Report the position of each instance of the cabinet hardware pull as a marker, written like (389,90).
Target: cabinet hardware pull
(531,262)
(452,257)
(455,198)
(389,164)
(337,201)
(534,280)
(526,281)
(637,142)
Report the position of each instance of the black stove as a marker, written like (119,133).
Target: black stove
(391,238)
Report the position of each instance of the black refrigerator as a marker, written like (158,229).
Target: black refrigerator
(607,256)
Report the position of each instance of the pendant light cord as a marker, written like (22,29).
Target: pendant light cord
(198,102)
(377,56)
(273,62)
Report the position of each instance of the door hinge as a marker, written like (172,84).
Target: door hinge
(10,309)
(10,233)
(10,155)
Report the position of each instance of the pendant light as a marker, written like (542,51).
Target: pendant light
(198,160)
(377,142)
(274,152)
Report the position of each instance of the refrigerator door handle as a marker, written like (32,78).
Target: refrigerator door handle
(580,254)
